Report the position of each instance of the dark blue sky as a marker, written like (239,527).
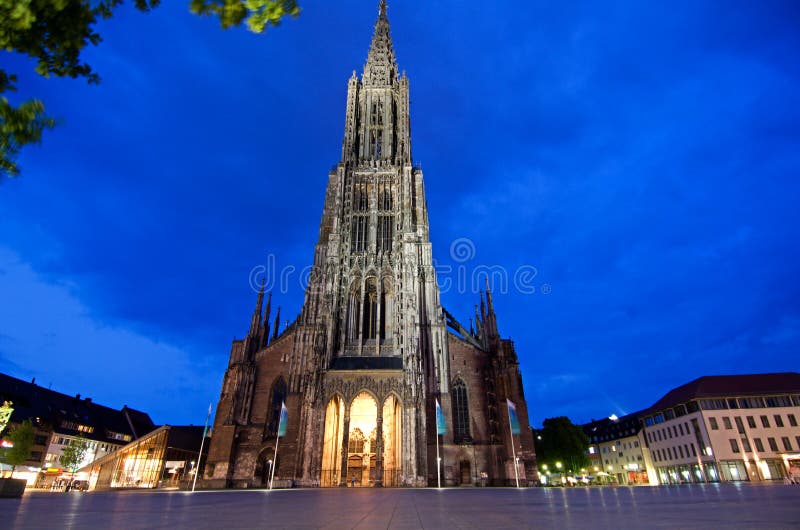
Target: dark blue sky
(642,156)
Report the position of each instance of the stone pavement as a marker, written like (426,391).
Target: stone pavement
(705,506)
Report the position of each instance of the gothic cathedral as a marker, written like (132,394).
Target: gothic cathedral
(363,366)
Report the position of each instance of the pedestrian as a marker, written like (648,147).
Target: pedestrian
(353,480)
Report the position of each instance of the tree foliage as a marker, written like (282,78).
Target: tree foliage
(55,32)
(560,440)
(257,14)
(22,438)
(74,453)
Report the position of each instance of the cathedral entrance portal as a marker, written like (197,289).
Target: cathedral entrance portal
(361,464)
(362,443)
(392,457)
(332,443)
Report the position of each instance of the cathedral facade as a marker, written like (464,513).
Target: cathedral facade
(362,367)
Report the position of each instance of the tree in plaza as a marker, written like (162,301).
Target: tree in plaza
(561,441)
(21,436)
(74,453)
(55,32)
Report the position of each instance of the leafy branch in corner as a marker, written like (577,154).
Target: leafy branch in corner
(55,32)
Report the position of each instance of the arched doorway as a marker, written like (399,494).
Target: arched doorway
(361,446)
(264,465)
(332,443)
(392,415)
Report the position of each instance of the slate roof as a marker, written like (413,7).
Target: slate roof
(608,429)
(718,386)
(30,401)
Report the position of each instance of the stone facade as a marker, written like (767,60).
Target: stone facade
(362,366)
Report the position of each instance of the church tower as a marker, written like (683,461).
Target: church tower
(362,366)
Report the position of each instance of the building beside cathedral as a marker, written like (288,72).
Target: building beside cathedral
(361,368)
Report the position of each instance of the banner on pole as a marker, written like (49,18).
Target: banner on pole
(512,417)
(284,420)
(440,426)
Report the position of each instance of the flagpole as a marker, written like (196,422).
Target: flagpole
(283,418)
(513,451)
(202,443)
(274,461)
(438,467)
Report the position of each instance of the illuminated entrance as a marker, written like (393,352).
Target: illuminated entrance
(361,442)
(362,448)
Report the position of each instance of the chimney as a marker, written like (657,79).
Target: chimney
(77,396)
(33,381)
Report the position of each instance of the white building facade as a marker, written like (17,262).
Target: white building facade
(726,428)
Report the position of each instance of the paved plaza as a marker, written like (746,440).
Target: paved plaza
(709,506)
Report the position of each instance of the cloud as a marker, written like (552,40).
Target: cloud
(48,333)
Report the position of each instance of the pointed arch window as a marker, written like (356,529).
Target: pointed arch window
(279,392)
(460,413)
(370,311)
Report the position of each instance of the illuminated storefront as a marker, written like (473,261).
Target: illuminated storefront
(167,457)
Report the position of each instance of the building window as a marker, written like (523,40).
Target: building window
(278,398)
(792,420)
(746,444)
(680,427)
(739,424)
(694,451)
(797,440)
(359,233)
(734,445)
(759,444)
(713,423)
(680,449)
(385,233)
(460,413)
(765,422)
(726,421)
(751,422)
(778,420)
(772,444)
(787,445)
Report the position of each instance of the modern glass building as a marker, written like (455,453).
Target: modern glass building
(167,457)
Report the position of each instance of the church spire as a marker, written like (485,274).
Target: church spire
(266,319)
(381,67)
(255,321)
